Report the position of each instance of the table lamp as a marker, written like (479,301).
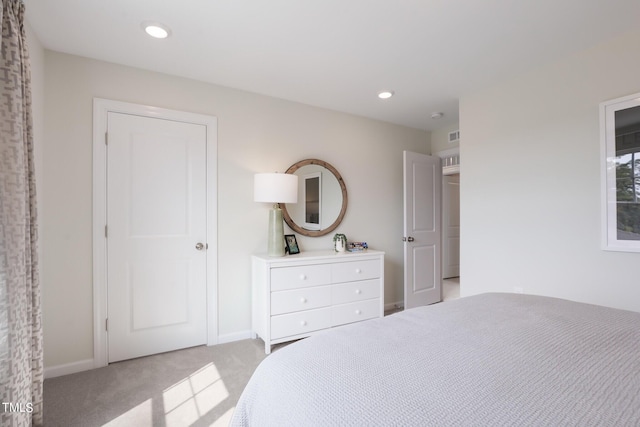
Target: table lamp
(275,188)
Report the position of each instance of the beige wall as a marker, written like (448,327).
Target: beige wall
(255,134)
(530,187)
(440,138)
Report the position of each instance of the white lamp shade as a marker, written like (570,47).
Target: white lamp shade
(275,188)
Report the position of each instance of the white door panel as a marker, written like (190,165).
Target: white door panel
(422,229)
(156,214)
(424,269)
(423,214)
(159,294)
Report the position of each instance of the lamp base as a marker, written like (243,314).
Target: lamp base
(276,233)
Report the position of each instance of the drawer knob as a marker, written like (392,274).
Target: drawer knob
(303,323)
(358,291)
(303,300)
(358,271)
(358,312)
(303,277)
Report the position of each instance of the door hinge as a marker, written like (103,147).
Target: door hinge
(106,231)
(408,239)
(106,324)
(106,138)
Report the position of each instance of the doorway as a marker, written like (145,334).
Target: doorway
(450,224)
(155,236)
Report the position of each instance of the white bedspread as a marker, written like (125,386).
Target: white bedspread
(486,360)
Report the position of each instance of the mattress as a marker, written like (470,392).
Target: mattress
(485,360)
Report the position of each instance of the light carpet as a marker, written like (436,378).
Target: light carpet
(198,386)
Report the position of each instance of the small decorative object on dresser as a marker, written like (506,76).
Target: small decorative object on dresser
(294,297)
(292,244)
(358,246)
(339,242)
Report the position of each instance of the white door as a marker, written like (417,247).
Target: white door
(157,228)
(422,229)
(450,226)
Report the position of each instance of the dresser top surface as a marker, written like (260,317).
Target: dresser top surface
(318,255)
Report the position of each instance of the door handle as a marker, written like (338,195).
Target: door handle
(199,246)
(408,239)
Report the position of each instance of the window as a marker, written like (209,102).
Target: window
(620,123)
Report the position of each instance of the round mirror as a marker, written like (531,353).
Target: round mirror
(322,199)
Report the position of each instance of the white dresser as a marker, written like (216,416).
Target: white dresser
(296,295)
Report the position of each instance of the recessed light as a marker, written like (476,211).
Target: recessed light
(157,30)
(385,94)
(437,115)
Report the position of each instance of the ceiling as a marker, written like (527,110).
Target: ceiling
(338,54)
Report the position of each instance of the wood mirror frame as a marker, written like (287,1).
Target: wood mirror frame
(316,233)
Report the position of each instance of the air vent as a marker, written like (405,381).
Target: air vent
(454,136)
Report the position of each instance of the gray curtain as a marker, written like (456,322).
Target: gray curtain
(21,372)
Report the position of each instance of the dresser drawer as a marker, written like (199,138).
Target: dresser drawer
(300,276)
(355,270)
(300,299)
(302,322)
(355,311)
(355,291)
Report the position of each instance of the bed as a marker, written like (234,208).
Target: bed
(485,360)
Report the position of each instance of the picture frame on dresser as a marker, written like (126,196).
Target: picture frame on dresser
(291,244)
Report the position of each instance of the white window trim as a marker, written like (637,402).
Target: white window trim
(608,174)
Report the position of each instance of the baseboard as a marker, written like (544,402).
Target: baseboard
(236,336)
(68,368)
(394,306)
(85,365)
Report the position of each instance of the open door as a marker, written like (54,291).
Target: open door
(422,229)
